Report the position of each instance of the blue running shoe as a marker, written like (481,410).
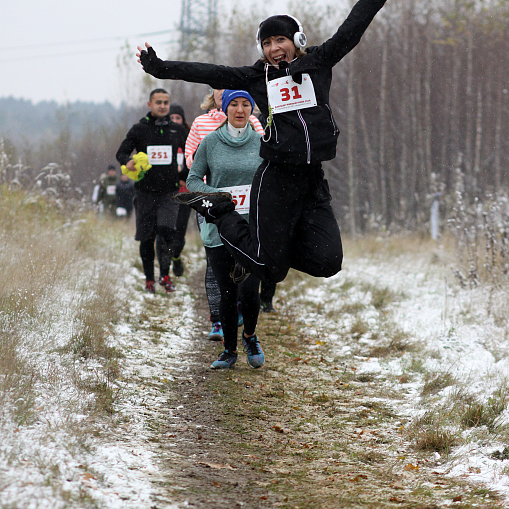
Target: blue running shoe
(255,356)
(226,360)
(216,334)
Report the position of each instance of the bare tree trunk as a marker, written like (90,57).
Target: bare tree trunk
(488,144)
(383,106)
(469,110)
(445,131)
(392,174)
(405,119)
(422,183)
(427,107)
(478,144)
(498,136)
(371,175)
(350,147)
(415,136)
(454,129)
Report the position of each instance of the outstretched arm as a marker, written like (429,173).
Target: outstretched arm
(216,76)
(350,32)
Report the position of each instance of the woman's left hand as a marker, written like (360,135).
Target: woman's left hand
(140,49)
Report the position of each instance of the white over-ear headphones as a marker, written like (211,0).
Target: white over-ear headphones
(299,38)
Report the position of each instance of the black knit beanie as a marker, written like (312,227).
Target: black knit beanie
(278,25)
(176,109)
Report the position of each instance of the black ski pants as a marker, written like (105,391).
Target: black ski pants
(181,228)
(211,286)
(156,215)
(291,225)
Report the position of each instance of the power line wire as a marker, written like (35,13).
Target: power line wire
(67,53)
(85,41)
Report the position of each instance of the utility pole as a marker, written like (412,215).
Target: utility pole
(198,29)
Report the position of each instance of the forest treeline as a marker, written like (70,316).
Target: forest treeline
(79,137)
(422,101)
(425,93)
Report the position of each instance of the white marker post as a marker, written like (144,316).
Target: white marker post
(435,206)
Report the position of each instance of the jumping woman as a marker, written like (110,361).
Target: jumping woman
(291,222)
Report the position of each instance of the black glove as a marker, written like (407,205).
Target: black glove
(148,59)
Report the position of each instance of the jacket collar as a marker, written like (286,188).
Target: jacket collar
(150,119)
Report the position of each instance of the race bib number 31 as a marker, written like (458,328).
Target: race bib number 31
(159,154)
(287,95)
(240,196)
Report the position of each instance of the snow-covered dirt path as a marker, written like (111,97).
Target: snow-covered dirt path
(329,421)
(462,333)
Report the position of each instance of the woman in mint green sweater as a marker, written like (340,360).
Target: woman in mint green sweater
(229,158)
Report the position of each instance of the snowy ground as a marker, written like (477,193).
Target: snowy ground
(462,332)
(48,463)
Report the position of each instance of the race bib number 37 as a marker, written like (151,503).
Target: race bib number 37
(159,154)
(240,196)
(287,95)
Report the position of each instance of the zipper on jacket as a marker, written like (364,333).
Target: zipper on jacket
(305,126)
(336,130)
(275,130)
(308,144)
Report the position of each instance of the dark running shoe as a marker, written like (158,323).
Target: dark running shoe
(150,286)
(178,267)
(168,285)
(255,355)
(239,274)
(267,307)
(203,202)
(226,360)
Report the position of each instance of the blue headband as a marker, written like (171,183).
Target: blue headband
(229,95)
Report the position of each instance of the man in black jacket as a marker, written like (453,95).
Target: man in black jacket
(291,222)
(156,211)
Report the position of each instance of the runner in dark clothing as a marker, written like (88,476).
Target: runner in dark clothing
(179,241)
(107,191)
(125,196)
(291,221)
(156,211)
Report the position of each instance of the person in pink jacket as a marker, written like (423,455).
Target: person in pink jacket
(208,122)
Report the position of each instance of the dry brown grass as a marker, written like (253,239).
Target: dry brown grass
(394,245)
(435,382)
(435,439)
(396,345)
(52,284)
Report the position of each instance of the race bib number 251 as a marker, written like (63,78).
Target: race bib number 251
(159,154)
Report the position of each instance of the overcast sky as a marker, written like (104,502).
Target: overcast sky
(67,51)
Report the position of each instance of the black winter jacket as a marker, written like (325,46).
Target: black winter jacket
(160,178)
(305,136)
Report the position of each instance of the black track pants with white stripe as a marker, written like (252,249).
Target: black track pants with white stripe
(291,225)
